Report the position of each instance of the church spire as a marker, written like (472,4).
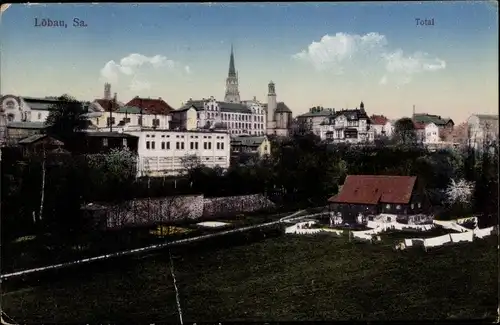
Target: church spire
(232,70)
(232,92)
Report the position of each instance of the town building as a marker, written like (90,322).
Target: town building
(237,118)
(444,125)
(311,121)
(163,152)
(38,143)
(347,126)
(259,146)
(375,194)
(94,142)
(482,130)
(279,116)
(427,133)
(382,126)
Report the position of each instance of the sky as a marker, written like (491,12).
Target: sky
(325,54)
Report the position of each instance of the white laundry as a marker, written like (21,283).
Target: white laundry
(361,235)
(464,236)
(481,233)
(464,220)
(437,241)
(452,225)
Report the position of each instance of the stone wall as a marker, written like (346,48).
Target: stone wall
(157,210)
(235,204)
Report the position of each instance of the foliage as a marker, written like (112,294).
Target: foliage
(66,117)
(459,192)
(404,131)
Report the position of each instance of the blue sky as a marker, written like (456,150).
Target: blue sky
(364,51)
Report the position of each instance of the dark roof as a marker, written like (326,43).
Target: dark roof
(372,189)
(107,135)
(151,106)
(234,108)
(319,111)
(129,110)
(487,117)
(248,141)
(352,114)
(38,137)
(282,108)
(26,125)
(429,118)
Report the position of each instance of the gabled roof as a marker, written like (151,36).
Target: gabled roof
(282,108)
(248,141)
(373,189)
(151,106)
(319,111)
(429,118)
(379,119)
(234,108)
(37,137)
(108,104)
(129,110)
(107,135)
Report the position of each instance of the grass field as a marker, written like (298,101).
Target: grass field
(283,278)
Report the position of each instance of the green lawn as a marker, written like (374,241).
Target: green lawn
(284,278)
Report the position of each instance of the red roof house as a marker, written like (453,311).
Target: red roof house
(375,194)
(379,119)
(151,106)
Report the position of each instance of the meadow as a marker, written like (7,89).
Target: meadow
(275,278)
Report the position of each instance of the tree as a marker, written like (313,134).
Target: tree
(66,117)
(459,192)
(404,132)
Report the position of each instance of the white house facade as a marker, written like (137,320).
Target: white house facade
(347,126)
(382,126)
(132,116)
(162,152)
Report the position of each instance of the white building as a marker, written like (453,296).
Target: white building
(482,130)
(162,152)
(382,126)
(347,126)
(245,118)
(129,115)
(427,133)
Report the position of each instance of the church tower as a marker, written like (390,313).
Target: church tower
(232,92)
(271,106)
(107,91)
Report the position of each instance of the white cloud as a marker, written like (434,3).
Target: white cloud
(401,68)
(331,51)
(131,65)
(335,53)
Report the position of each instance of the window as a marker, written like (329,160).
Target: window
(265,147)
(139,120)
(191,145)
(196,145)
(388,206)
(39,116)
(148,145)
(205,145)
(218,145)
(412,206)
(105,142)
(209,145)
(124,142)
(10,117)
(152,145)
(177,145)
(182,145)
(126,120)
(163,145)
(222,145)
(168,145)
(398,207)
(419,205)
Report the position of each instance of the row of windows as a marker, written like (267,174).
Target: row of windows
(234,117)
(246,132)
(182,137)
(180,145)
(112,121)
